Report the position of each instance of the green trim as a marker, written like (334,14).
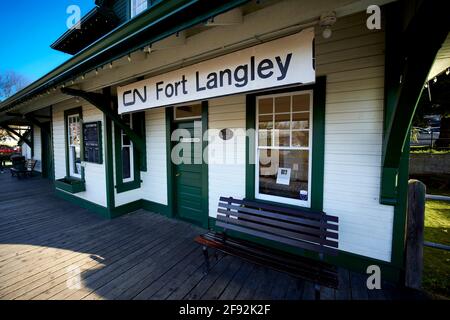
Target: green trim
(71,185)
(139,127)
(109,163)
(169,168)
(205,185)
(156,207)
(250,123)
(120,185)
(100,210)
(124,209)
(318,147)
(32,141)
(69,112)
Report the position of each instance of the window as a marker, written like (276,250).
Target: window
(74,144)
(283,148)
(127,151)
(137,6)
(188,112)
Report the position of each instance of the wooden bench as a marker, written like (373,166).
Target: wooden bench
(26,170)
(316,232)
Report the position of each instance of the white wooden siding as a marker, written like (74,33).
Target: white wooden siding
(353,61)
(37,144)
(154,180)
(26,151)
(94,173)
(226,159)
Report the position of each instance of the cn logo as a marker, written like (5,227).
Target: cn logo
(374,279)
(129,101)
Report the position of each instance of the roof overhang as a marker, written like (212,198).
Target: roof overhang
(95,24)
(165,18)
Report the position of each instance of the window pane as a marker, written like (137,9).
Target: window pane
(283,104)
(293,183)
(126,163)
(265,138)
(265,106)
(266,122)
(300,120)
(282,138)
(300,138)
(125,140)
(126,119)
(300,102)
(282,121)
(137,6)
(188,111)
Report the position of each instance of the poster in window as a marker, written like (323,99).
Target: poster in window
(284,176)
(92,142)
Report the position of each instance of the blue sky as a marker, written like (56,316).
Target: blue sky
(27,28)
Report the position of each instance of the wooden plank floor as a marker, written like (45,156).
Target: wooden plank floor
(52,249)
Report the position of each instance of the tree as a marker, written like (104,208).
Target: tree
(10,83)
(435,100)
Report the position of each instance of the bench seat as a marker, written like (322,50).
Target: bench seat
(315,232)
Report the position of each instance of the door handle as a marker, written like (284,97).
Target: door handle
(178,174)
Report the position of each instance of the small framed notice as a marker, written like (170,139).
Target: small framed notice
(284,176)
(92,142)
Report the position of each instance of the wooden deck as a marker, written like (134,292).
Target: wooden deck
(51,249)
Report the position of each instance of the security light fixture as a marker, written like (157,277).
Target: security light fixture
(327,19)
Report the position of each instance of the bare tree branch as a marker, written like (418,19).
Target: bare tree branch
(10,83)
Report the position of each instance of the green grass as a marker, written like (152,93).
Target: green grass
(436,274)
(421,150)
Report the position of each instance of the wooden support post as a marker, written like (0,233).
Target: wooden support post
(14,132)
(414,234)
(103,103)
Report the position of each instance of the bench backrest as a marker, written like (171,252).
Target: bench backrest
(315,231)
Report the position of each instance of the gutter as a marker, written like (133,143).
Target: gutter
(164,19)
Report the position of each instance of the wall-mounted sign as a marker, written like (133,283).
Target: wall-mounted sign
(92,142)
(280,62)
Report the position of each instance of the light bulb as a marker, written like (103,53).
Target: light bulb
(448,71)
(327,33)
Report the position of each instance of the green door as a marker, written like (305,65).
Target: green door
(188,175)
(47,152)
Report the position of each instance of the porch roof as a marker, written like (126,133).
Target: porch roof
(164,19)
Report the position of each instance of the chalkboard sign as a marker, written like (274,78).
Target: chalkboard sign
(92,142)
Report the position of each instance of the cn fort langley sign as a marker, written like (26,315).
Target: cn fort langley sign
(285,61)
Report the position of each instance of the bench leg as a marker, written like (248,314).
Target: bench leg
(206,256)
(317,292)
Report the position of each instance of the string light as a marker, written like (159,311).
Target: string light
(426,85)
(435,79)
(129,57)
(448,71)
(110,65)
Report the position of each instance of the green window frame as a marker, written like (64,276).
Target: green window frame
(317,146)
(139,158)
(67,114)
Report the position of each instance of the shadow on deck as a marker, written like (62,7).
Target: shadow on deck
(52,249)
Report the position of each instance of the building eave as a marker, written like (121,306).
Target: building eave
(165,18)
